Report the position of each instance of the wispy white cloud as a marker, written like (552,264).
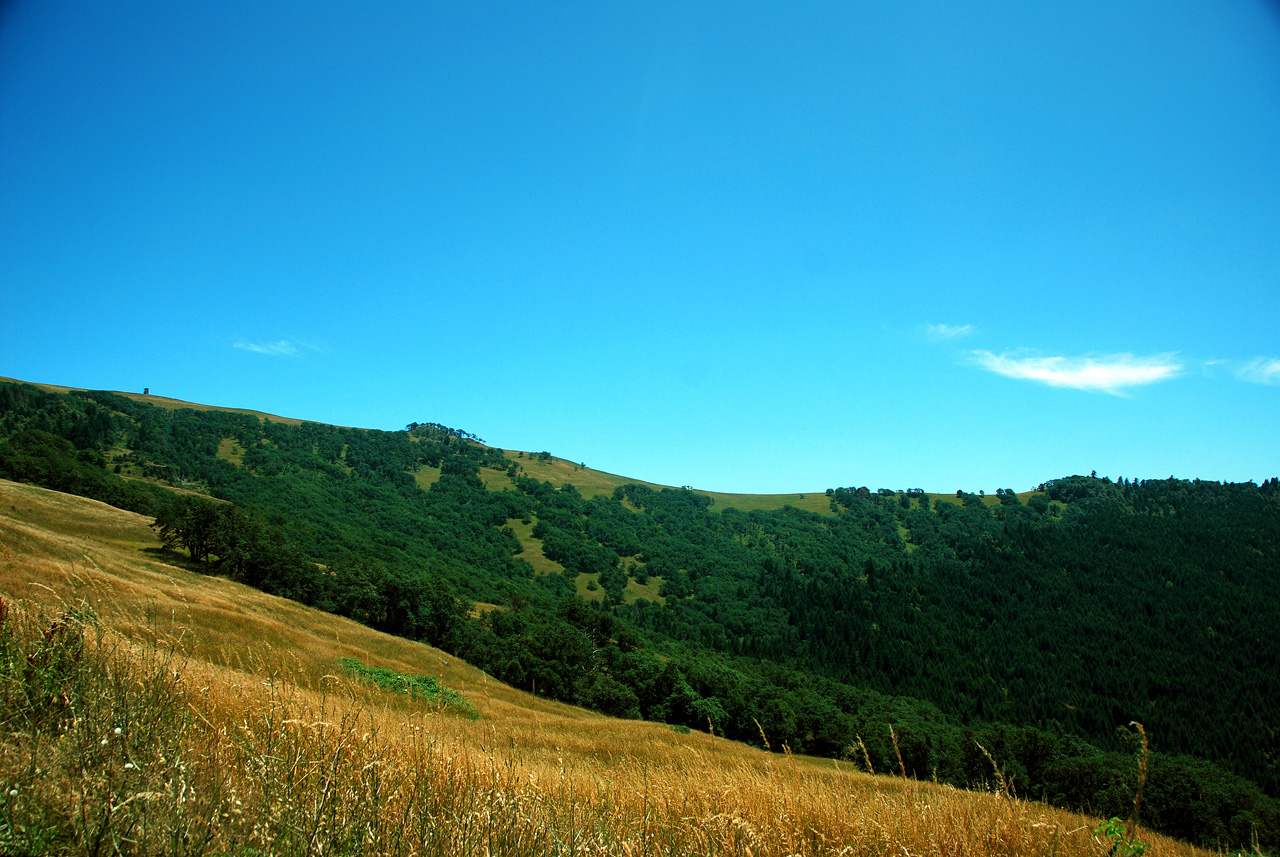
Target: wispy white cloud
(1112,373)
(947,331)
(1261,370)
(1210,368)
(283,348)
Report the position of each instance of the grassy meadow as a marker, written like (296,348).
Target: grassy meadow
(149,709)
(559,471)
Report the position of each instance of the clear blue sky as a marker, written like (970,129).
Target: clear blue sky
(743,246)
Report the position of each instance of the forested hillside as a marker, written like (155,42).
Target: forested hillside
(1038,629)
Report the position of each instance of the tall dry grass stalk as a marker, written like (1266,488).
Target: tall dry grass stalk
(1131,828)
(901,767)
(238,734)
(866,756)
(1001,780)
(762,735)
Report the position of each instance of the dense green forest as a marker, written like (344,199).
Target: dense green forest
(1035,631)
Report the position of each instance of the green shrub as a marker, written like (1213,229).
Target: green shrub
(422,687)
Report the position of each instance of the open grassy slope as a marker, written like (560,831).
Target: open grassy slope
(172,712)
(559,471)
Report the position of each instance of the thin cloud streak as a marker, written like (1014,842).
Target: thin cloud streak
(1261,370)
(1112,373)
(947,331)
(283,348)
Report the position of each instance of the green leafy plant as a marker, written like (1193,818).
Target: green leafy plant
(423,687)
(1115,832)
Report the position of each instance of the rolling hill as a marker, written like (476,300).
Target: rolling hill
(152,709)
(884,630)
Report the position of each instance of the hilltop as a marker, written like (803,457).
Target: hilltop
(886,630)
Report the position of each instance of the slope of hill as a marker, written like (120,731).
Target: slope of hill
(149,709)
(1037,626)
(538,465)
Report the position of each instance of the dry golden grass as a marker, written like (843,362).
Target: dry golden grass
(239,734)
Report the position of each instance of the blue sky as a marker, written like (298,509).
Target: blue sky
(760,247)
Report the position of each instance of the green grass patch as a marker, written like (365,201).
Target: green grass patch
(426,476)
(905,535)
(230,450)
(633,591)
(496,480)
(588,586)
(559,471)
(532,552)
(420,687)
(817,502)
(649,591)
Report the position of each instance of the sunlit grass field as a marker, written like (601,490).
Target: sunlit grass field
(559,471)
(151,710)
